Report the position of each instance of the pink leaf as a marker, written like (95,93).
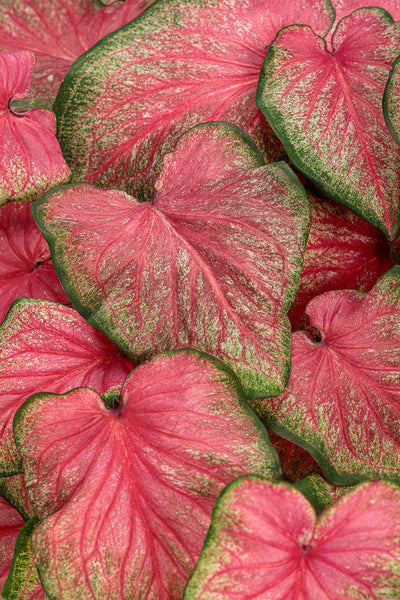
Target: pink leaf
(125,495)
(343,252)
(26,268)
(266,543)
(58,32)
(123,105)
(46,346)
(326,107)
(30,157)
(212,263)
(342,400)
(343,8)
(11,523)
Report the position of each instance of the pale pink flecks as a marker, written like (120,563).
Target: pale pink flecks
(327,109)
(120,109)
(125,495)
(266,543)
(212,263)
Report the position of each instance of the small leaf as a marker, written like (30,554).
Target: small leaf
(343,252)
(266,543)
(26,268)
(212,263)
(125,496)
(23,580)
(30,157)
(11,523)
(342,400)
(326,107)
(46,346)
(124,103)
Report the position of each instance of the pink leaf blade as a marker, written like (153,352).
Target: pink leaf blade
(30,157)
(343,252)
(25,263)
(327,109)
(46,346)
(128,493)
(235,233)
(265,544)
(199,76)
(58,32)
(341,402)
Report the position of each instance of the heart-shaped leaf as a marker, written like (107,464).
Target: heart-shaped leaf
(266,543)
(343,252)
(124,103)
(212,263)
(125,495)
(26,268)
(11,523)
(46,346)
(58,31)
(30,157)
(23,580)
(342,400)
(326,107)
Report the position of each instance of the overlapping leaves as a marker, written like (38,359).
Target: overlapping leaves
(125,495)
(46,346)
(266,543)
(342,400)
(30,157)
(326,107)
(124,103)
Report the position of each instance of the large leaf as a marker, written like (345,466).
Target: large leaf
(181,62)
(342,400)
(125,495)
(11,523)
(343,252)
(58,31)
(49,347)
(213,262)
(23,580)
(30,157)
(326,107)
(265,543)
(26,268)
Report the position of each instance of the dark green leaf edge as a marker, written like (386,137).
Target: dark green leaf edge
(278,124)
(22,563)
(329,471)
(387,110)
(319,498)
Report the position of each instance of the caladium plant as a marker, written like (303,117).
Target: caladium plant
(153,351)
